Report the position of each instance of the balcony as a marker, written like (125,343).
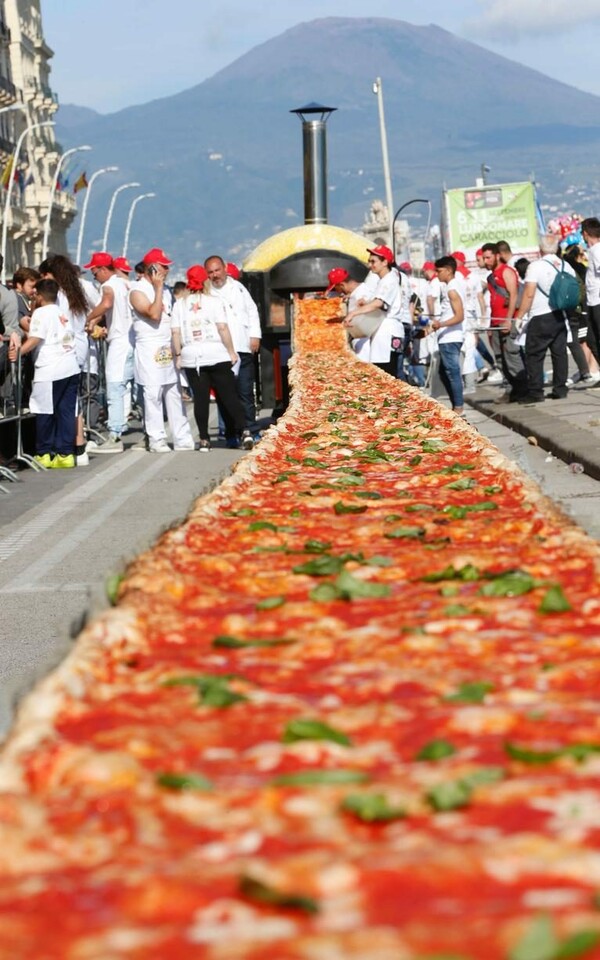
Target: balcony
(4,34)
(7,148)
(8,92)
(40,95)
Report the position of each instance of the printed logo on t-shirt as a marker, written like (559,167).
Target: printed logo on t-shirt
(163,357)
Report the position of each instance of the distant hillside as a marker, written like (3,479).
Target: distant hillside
(224,157)
(73,116)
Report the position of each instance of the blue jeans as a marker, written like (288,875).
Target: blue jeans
(115,393)
(450,374)
(55,432)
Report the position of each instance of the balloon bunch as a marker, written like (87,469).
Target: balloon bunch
(568,228)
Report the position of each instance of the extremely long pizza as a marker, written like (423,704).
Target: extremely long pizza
(348,710)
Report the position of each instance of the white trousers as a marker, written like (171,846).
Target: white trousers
(469,351)
(154,396)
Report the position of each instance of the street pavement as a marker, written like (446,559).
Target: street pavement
(62,533)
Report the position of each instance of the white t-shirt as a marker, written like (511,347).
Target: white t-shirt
(118,319)
(242,313)
(56,358)
(153,356)
(361,345)
(542,272)
(453,334)
(388,291)
(196,317)
(592,277)
(434,291)
(472,304)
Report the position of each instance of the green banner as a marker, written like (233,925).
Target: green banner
(478,215)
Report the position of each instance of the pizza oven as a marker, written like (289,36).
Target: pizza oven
(295,263)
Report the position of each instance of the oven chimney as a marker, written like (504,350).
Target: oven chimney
(314,116)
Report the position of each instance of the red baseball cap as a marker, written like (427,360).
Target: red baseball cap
(156,255)
(196,277)
(233,271)
(406,266)
(429,265)
(121,263)
(479,253)
(384,252)
(335,276)
(99,260)
(459,255)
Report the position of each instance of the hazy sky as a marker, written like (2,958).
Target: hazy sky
(119,53)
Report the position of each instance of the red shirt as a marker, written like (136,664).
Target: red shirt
(499,300)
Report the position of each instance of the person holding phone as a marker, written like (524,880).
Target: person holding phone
(154,367)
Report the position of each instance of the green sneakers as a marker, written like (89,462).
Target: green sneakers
(44,459)
(61,462)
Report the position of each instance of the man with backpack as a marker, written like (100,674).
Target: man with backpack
(503,286)
(551,289)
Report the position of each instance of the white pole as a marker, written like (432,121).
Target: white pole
(93,177)
(26,131)
(142,196)
(378,89)
(125,186)
(61,160)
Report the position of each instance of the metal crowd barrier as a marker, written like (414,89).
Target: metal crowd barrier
(13,411)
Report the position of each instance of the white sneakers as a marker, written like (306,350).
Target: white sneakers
(159,446)
(495,376)
(82,460)
(186,446)
(113,444)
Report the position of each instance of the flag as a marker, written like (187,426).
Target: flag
(29,180)
(20,179)
(6,175)
(81,183)
(59,183)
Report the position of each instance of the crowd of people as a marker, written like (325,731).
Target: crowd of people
(91,351)
(103,348)
(496,320)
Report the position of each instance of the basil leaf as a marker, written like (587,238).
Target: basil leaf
(554,601)
(483,776)
(457,513)
(325,592)
(379,561)
(473,692)
(409,533)
(581,751)
(538,943)
(112,588)
(235,643)
(436,750)
(262,525)
(213,689)
(493,489)
(465,483)
(433,445)
(352,587)
(183,781)
(302,728)
(321,566)
(371,807)
(368,495)
(578,944)
(525,755)
(515,583)
(309,435)
(419,507)
(415,461)
(219,695)
(342,508)
(467,573)
(262,893)
(314,778)
(317,464)
(244,512)
(451,590)
(283,477)
(457,468)
(317,546)
(449,796)
(482,506)
(270,603)
(456,610)
(393,517)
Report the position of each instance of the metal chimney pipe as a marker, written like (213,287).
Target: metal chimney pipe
(314,143)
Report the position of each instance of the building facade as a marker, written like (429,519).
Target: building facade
(27,178)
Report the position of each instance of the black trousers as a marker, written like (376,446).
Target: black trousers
(219,378)
(593,334)
(547,332)
(55,432)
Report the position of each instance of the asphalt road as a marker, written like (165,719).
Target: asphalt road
(62,533)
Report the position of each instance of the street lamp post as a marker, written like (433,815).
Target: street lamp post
(397,214)
(98,173)
(125,186)
(142,196)
(61,160)
(26,131)
(389,199)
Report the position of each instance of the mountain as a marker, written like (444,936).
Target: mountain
(225,157)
